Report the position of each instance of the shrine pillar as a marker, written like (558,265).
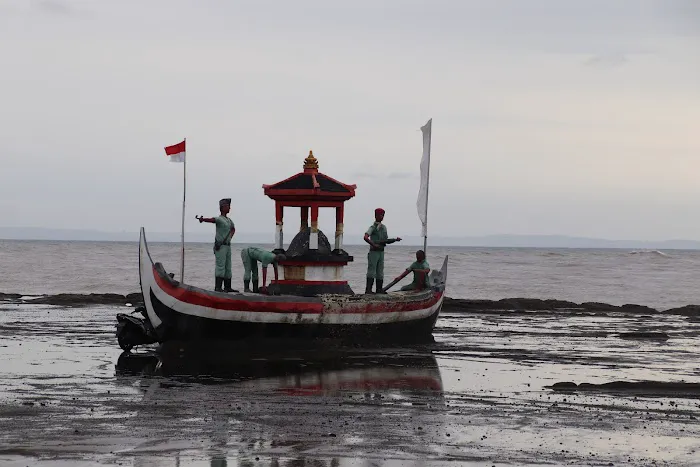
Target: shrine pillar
(279,231)
(339,228)
(304,218)
(313,238)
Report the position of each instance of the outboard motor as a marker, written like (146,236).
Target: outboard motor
(132,330)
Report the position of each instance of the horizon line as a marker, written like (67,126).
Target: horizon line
(346,235)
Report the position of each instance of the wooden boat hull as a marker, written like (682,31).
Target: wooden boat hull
(178,311)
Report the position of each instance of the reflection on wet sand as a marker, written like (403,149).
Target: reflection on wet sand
(484,393)
(294,371)
(242,400)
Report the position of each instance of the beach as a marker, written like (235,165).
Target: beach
(487,391)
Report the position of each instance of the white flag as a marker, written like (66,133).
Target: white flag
(424,175)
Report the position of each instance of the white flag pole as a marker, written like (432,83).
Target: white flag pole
(427,189)
(422,203)
(182,232)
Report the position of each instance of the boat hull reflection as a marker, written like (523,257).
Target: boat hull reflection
(299,371)
(279,406)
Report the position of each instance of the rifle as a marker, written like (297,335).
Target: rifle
(384,243)
(395,281)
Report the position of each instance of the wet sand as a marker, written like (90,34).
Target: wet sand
(504,383)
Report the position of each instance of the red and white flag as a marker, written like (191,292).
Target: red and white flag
(176,152)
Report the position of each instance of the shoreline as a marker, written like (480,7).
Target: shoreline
(460,305)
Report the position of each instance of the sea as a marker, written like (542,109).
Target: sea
(660,279)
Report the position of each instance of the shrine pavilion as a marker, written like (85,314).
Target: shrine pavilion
(312,267)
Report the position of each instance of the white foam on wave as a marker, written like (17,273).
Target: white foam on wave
(649,253)
(551,253)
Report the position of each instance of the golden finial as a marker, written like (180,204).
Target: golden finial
(310,162)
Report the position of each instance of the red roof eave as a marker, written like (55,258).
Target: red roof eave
(316,192)
(307,194)
(265,187)
(349,187)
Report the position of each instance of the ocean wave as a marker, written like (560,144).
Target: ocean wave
(649,253)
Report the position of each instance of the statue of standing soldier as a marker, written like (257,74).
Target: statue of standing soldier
(225,230)
(377,238)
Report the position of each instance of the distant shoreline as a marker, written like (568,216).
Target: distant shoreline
(632,249)
(484,241)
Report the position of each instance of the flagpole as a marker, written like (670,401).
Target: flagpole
(427,194)
(182,232)
(422,202)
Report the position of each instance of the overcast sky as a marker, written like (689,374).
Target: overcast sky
(549,116)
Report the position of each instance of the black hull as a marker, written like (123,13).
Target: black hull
(181,327)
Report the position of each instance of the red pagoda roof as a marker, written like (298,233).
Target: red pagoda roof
(310,184)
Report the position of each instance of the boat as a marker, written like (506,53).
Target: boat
(310,299)
(173,311)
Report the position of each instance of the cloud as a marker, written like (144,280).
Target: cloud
(682,15)
(54,7)
(382,175)
(401,175)
(607,61)
(361,175)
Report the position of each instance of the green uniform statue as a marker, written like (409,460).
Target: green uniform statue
(222,246)
(420,269)
(377,238)
(250,257)
(420,280)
